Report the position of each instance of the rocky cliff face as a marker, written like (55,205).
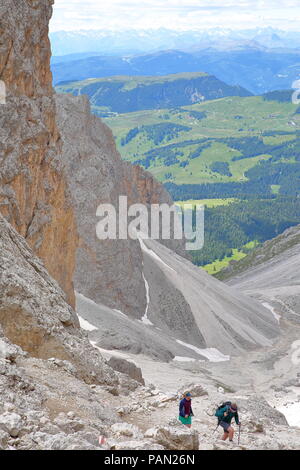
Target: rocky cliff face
(35,315)
(142,187)
(32,190)
(107,271)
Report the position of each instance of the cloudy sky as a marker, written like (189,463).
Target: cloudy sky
(174,14)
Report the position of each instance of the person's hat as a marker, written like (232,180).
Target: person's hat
(188,394)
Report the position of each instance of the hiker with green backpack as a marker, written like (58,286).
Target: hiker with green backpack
(225,414)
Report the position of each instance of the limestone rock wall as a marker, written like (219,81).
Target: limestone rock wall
(109,272)
(32,189)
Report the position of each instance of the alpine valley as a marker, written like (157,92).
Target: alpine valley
(99,339)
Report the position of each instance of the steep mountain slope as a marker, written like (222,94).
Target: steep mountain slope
(224,319)
(128,94)
(32,189)
(271,273)
(270,250)
(41,349)
(122,274)
(35,315)
(57,391)
(188,314)
(37,413)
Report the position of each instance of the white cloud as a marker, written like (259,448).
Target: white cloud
(174,14)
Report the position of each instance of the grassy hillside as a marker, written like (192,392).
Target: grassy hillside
(240,156)
(231,229)
(217,143)
(128,94)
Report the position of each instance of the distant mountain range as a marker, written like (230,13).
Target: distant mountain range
(145,41)
(251,66)
(128,94)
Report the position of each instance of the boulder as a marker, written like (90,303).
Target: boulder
(127,367)
(195,389)
(127,430)
(67,442)
(11,423)
(180,438)
(136,445)
(68,425)
(4,438)
(255,426)
(259,409)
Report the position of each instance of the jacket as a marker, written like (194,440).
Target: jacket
(183,407)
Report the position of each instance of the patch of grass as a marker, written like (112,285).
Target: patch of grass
(237,255)
(218,265)
(210,203)
(275,188)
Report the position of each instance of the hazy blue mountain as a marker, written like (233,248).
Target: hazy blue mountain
(73,57)
(255,68)
(121,42)
(144,41)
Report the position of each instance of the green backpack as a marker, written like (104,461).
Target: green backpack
(218,413)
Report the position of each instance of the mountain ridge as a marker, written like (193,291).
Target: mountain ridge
(120,94)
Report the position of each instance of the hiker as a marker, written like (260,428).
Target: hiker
(225,413)
(185,410)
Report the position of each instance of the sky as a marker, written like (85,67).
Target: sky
(71,15)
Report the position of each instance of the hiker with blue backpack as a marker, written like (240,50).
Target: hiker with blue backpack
(185,410)
(225,414)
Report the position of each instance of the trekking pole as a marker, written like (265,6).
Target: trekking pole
(216,429)
(239,435)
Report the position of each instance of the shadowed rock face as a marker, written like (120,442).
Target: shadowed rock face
(32,189)
(108,271)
